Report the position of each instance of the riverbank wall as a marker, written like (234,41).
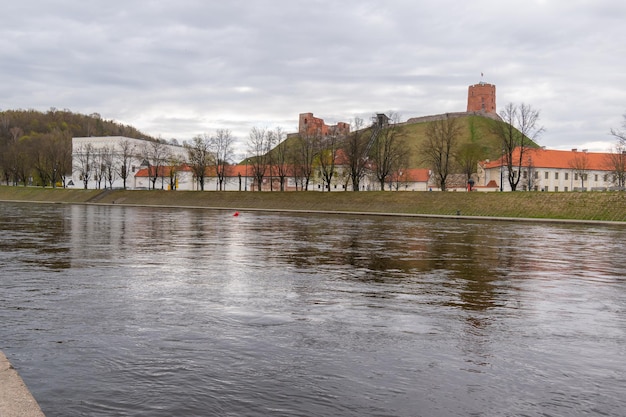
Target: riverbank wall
(580,206)
(15,398)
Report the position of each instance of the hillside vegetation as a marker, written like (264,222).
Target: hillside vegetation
(24,124)
(488,143)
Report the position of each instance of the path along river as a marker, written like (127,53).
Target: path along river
(122,311)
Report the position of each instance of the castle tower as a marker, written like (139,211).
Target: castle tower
(481,97)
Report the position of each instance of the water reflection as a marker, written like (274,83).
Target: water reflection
(275,314)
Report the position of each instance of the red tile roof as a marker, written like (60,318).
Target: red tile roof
(546,158)
(416,174)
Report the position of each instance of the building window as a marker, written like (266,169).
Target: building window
(525,174)
(584,176)
(606,177)
(536,175)
(596,178)
(547,174)
(566,177)
(556,176)
(556,189)
(565,189)
(575,177)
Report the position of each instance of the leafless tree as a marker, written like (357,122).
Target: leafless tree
(99,166)
(519,129)
(580,166)
(199,157)
(83,159)
(174,163)
(530,175)
(222,152)
(439,147)
(326,149)
(125,155)
(620,134)
(387,152)
(12,153)
(258,147)
(281,156)
(109,170)
(305,153)
(616,163)
(156,154)
(39,157)
(355,148)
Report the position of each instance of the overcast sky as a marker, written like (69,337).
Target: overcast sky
(176,69)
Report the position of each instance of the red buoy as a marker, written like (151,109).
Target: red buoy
(236,214)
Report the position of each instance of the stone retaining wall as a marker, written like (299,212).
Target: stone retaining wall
(15,398)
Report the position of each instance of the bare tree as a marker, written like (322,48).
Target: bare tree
(580,166)
(174,163)
(109,169)
(222,150)
(438,149)
(519,130)
(281,156)
(99,166)
(306,150)
(125,156)
(258,147)
(156,153)
(387,152)
(83,159)
(616,163)
(530,175)
(199,155)
(355,148)
(38,151)
(326,149)
(61,155)
(620,134)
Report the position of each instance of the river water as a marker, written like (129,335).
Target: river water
(122,311)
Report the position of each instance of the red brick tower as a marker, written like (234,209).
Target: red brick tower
(481,97)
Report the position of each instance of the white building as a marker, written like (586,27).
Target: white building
(553,170)
(98,162)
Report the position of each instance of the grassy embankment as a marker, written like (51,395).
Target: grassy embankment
(605,206)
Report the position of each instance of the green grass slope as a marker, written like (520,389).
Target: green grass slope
(596,206)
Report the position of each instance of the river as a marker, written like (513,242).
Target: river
(127,311)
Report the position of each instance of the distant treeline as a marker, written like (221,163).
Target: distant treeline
(36,147)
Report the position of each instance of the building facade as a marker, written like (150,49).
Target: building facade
(98,162)
(310,125)
(555,171)
(481,97)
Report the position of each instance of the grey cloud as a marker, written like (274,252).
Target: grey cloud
(181,68)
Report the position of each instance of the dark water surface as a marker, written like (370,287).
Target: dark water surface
(113,311)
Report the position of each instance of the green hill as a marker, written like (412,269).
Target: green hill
(414,136)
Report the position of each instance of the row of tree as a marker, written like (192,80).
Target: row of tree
(377,149)
(42,154)
(36,147)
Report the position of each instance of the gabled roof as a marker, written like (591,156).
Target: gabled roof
(415,175)
(547,158)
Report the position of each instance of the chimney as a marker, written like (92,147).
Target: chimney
(574,149)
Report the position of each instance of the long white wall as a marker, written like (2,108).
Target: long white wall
(114,143)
